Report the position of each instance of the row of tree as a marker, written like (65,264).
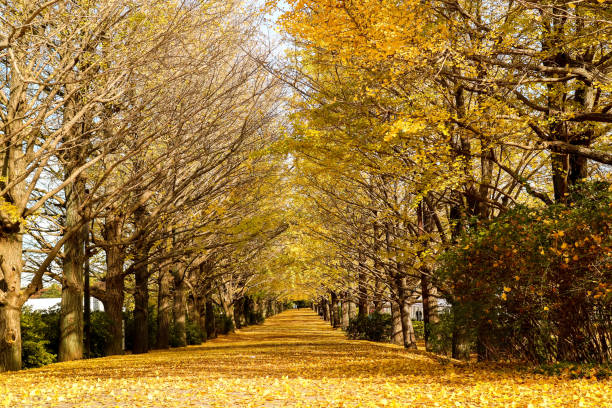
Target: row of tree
(429,139)
(133,162)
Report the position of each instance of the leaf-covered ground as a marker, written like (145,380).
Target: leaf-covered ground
(294,360)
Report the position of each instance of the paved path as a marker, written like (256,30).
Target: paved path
(293,360)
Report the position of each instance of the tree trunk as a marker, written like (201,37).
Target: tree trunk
(10,342)
(229,312)
(113,299)
(179,310)
(407,329)
(211,330)
(363,295)
(201,306)
(325,310)
(425,286)
(71,316)
(238,307)
(141,309)
(87,304)
(460,348)
(10,304)
(377,296)
(113,307)
(404,306)
(397,337)
(345,314)
(164,307)
(352,310)
(335,317)
(114,285)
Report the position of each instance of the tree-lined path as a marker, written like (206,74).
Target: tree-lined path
(293,359)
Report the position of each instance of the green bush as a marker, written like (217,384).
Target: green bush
(194,334)
(419,329)
(254,318)
(534,283)
(374,327)
(36,349)
(40,334)
(100,334)
(35,354)
(223,323)
(441,334)
(303,303)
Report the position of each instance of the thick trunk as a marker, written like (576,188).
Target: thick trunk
(141,310)
(352,310)
(460,348)
(87,308)
(407,329)
(335,317)
(247,310)
(71,317)
(429,307)
(345,314)
(10,342)
(113,299)
(164,307)
(256,308)
(10,304)
(363,295)
(377,296)
(201,307)
(397,337)
(211,330)
(227,303)
(229,312)
(113,307)
(238,313)
(262,308)
(114,286)
(179,310)
(409,339)
(325,310)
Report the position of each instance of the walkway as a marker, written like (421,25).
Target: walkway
(293,360)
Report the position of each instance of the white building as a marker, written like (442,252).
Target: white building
(44,304)
(416,309)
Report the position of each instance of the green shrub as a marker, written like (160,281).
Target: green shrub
(419,329)
(374,327)
(254,318)
(194,334)
(34,354)
(100,334)
(303,303)
(441,334)
(534,283)
(40,333)
(223,323)
(36,349)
